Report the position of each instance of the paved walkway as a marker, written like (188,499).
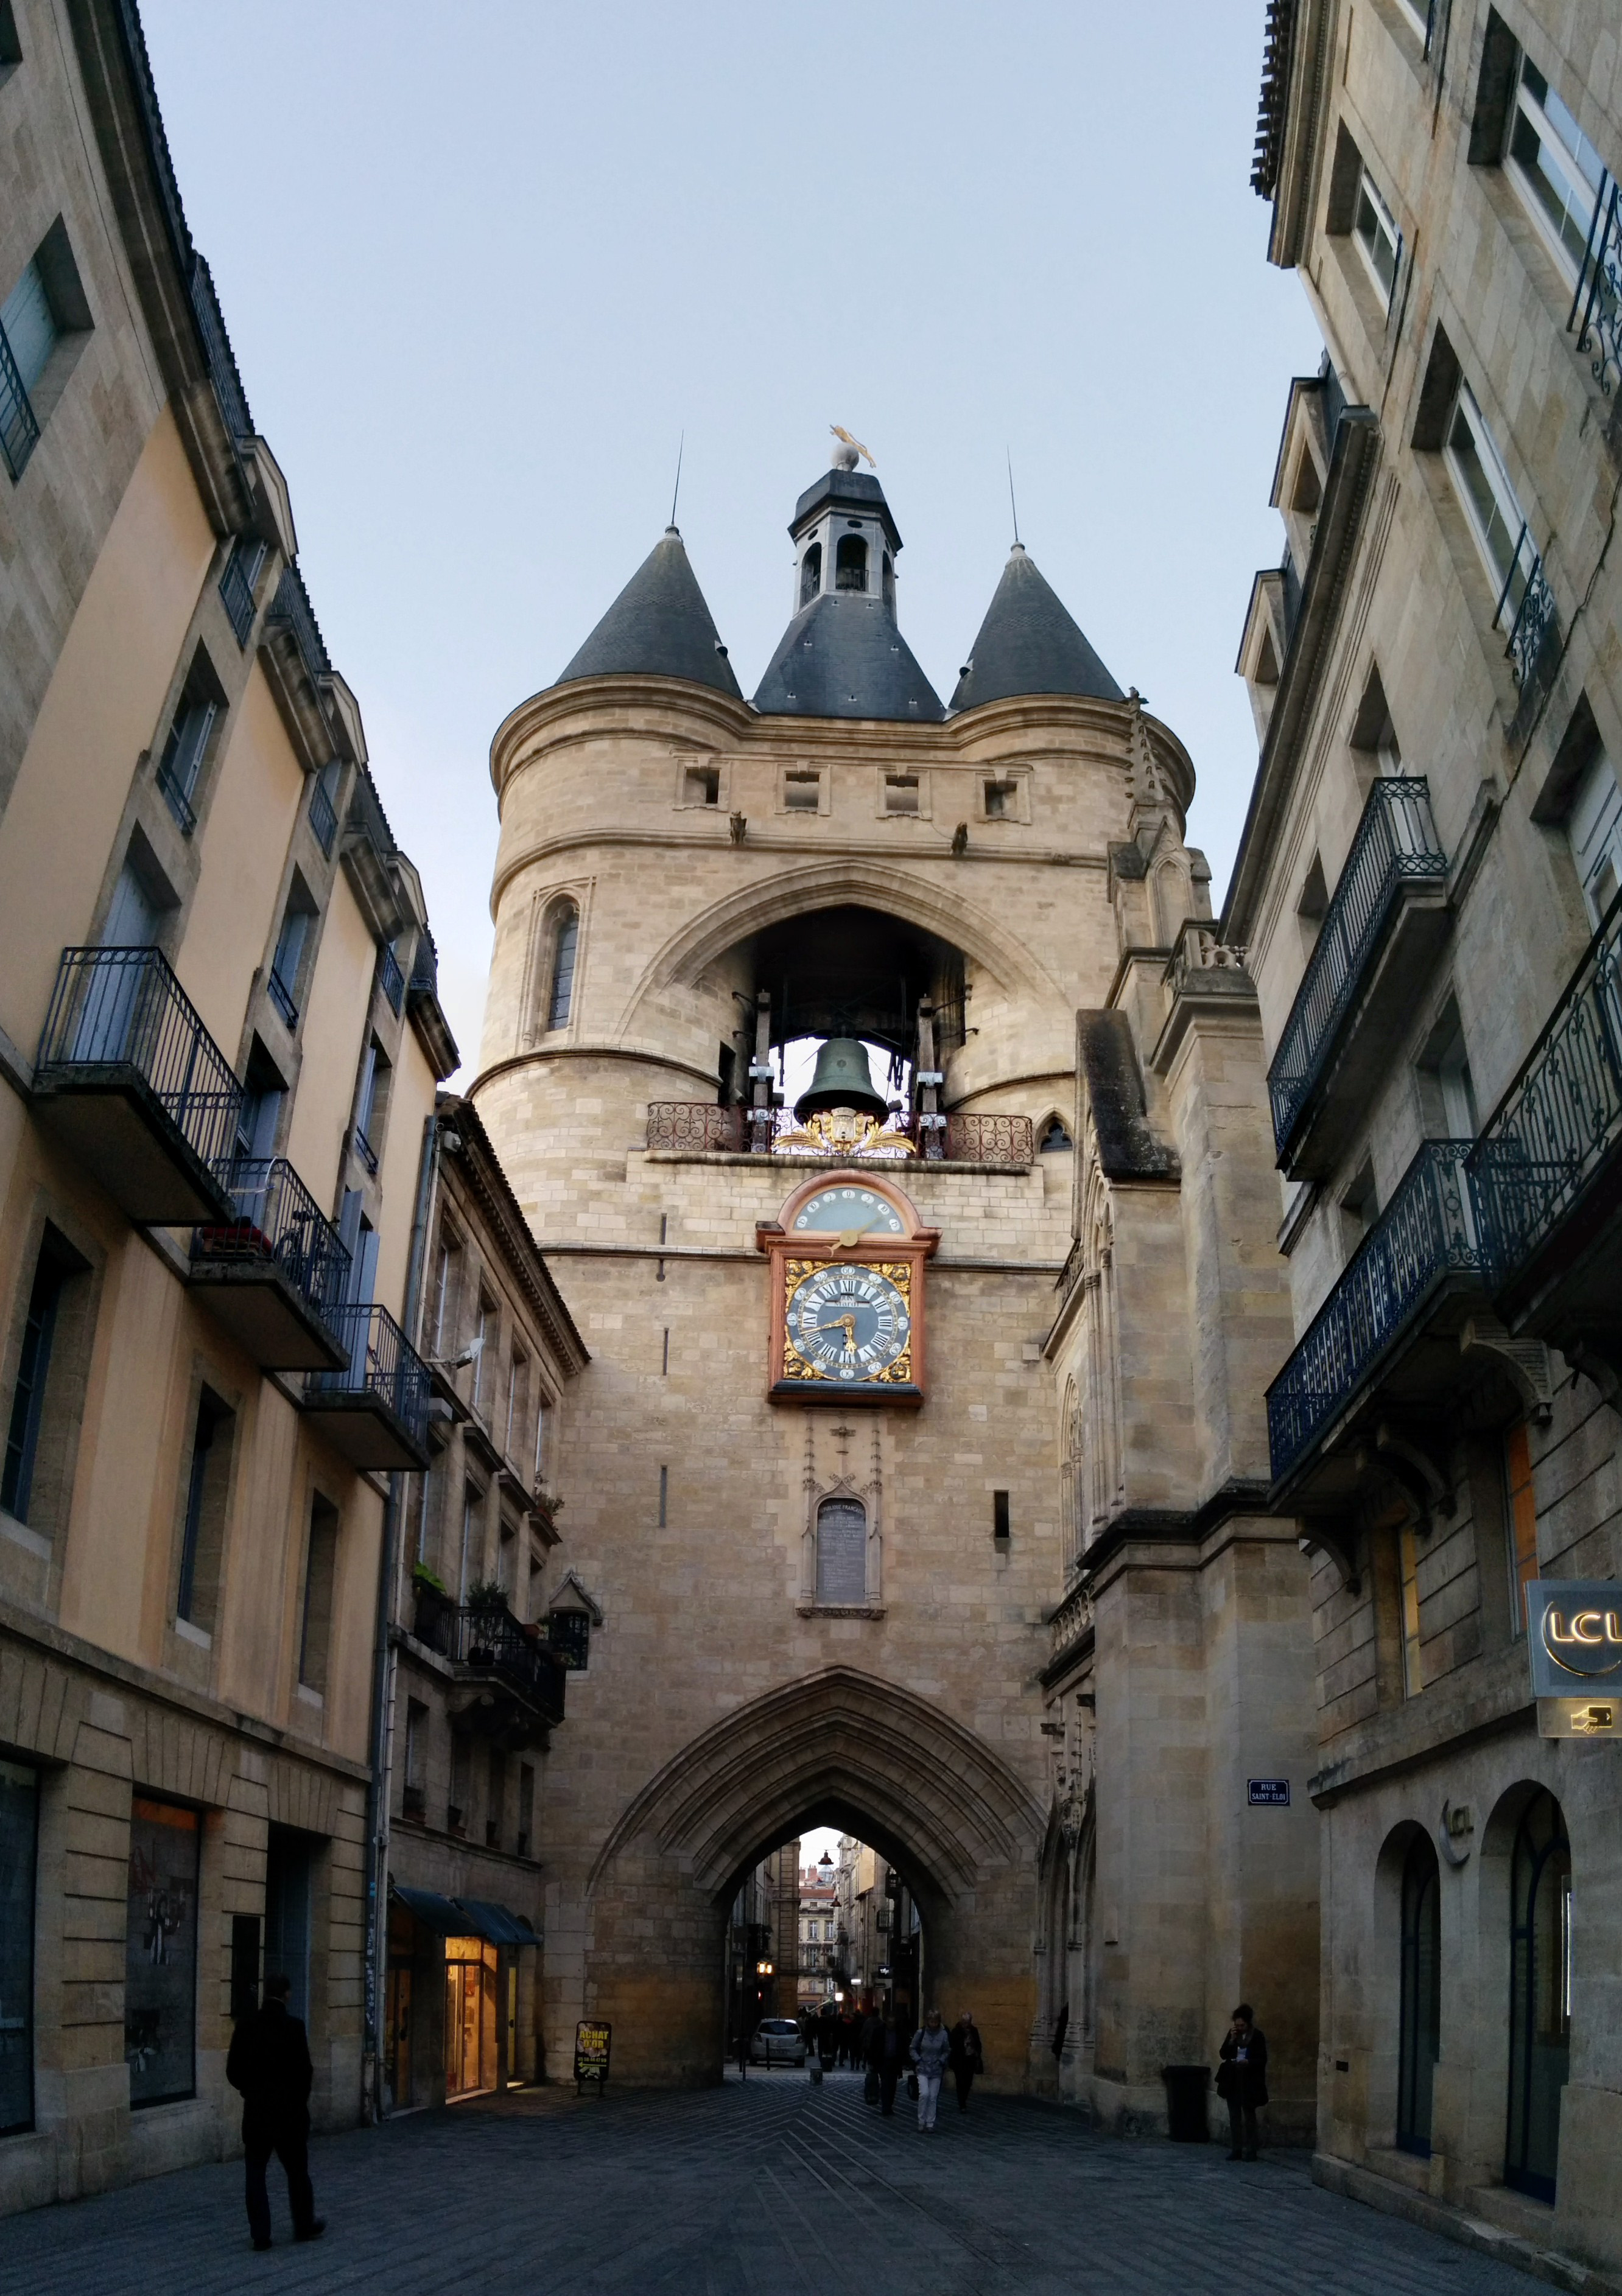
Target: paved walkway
(771,2186)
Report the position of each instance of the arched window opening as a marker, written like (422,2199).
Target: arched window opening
(810,574)
(1419,2043)
(850,563)
(1540,1995)
(566,949)
(842,1551)
(1055,1139)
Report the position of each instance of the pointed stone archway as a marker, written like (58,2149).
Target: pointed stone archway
(835,1747)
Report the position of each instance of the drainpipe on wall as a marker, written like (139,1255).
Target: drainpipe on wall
(380,1792)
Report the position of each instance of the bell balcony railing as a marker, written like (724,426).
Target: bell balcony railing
(1427,1233)
(1396,851)
(700,1128)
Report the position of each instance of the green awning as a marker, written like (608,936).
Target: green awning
(466,1917)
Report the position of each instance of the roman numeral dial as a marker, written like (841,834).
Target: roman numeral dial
(845,1324)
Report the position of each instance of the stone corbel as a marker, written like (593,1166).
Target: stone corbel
(1525,1361)
(1599,1363)
(1332,1539)
(1413,1469)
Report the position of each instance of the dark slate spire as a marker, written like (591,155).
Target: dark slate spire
(841,655)
(658,627)
(1028,643)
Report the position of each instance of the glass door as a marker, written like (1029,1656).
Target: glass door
(1420,2042)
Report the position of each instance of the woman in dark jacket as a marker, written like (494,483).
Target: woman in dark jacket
(968,2057)
(1241,2078)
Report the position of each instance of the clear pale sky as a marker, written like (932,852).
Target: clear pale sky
(482,266)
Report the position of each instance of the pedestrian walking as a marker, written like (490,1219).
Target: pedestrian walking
(269,2063)
(967,2057)
(1241,2078)
(930,2052)
(889,2056)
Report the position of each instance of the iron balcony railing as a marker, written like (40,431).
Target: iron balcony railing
(1426,1232)
(282,998)
(1395,845)
(1599,288)
(217,349)
(698,1127)
(290,607)
(119,1016)
(1562,1116)
(18,427)
(488,1638)
(390,980)
(382,1365)
(1526,610)
(364,1151)
(278,1225)
(242,571)
(323,815)
(177,797)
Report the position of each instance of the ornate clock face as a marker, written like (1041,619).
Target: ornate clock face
(849,1212)
(850,1324)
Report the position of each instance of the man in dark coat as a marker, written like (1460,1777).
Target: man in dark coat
(1241,2078)
(269,2063)
(968,2057)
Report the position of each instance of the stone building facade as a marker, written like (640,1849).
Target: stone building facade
(847,1610)
(1426,895)
(487,1623)
(211,1114)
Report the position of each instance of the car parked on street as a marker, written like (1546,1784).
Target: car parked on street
(778,2041)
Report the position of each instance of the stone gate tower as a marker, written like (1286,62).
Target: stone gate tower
(914,1478)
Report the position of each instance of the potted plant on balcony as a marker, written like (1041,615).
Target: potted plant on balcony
(487,1605)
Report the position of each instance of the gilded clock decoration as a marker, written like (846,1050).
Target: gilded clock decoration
(848,1323)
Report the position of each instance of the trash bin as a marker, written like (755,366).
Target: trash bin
(1185,2103)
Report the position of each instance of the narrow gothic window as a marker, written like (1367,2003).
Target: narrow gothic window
(842,1551)
(1055,1140)
(565,946)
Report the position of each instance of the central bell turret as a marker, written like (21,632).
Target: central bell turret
(843,1079)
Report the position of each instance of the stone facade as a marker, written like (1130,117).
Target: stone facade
(1426,895)
(1101,1314)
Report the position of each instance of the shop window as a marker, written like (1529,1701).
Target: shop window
(203,1528)
(1419,2039)
(470,2016)
(161,1952)
(1540,1995)
(842,1551)
(1523,1521)
(316,1617)
(18,1840)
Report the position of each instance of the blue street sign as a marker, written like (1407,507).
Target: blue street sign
(1268,1794)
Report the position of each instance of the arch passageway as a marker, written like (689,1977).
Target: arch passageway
(837,1747)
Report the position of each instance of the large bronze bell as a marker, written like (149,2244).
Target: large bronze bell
(843,1079)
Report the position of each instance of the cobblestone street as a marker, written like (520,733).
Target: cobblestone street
(776,2185)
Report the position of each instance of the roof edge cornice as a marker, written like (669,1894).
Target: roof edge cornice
(645,690)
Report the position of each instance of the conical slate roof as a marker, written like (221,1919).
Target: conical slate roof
(844,657)
(658,627)
(1028,643)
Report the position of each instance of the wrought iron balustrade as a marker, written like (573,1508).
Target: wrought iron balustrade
(364,1151)
(990,1140)
(323,815)
(390,980)
(1562,1115)
(695,1126)
(382,1365)
(1599,288)
(1527,605)
(700,1128)
(1395,845)
(1427,1232)
(486,1637)
(119,1016)
(291,608)
(282,998)
(279,1225)
(242,570)
(19,425)
(177,797)
(217,349)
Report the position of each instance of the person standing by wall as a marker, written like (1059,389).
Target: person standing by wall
(967,2058)
(1241,2078)
(931,2050)
(269,2063)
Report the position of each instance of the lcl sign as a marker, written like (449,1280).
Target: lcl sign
(1575,1641)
